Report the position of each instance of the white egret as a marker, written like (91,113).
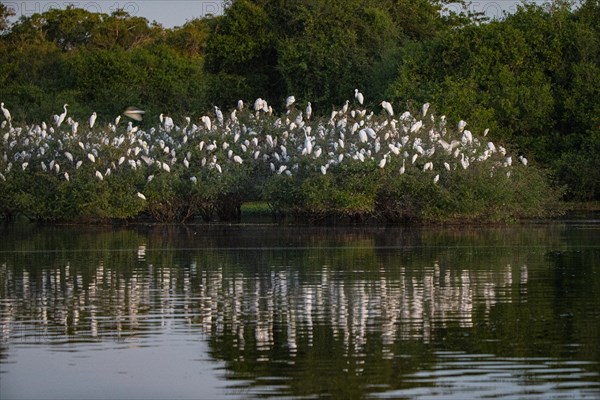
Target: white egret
(258,104)
(134,113)
(219,115)
(5,112)
(416,127)
(308,110)
(207,123)
(359,97)
(424,109)
(61,117)
(141,196)
(383,161)
(388,108)
(523,160)
(345,107)
(289,101)
(93,119)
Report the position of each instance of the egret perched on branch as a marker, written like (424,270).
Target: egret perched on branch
(258,104)
(523,160)
(219,115)
(359,97)
(388,108)
(92,119)
(289,101)
(61,117)
(308,110)
(134,113)
(5,112)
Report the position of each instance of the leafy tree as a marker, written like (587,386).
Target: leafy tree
(5,14)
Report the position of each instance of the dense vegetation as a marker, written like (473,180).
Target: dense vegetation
(533,77)
(354,166)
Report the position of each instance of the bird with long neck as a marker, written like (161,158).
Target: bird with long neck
(61,117)
(5,112)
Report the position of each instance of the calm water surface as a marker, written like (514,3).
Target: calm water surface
(236,312)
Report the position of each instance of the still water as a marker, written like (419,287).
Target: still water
(259,311)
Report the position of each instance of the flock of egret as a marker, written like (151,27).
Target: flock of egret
(420,143)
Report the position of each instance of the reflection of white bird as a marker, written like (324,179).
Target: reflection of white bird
(134,113)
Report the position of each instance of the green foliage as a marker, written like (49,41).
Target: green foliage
(98,62)
(531,78)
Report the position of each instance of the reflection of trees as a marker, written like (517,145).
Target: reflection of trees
(363,299)
(349,289)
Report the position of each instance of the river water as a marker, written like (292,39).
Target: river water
(260,311)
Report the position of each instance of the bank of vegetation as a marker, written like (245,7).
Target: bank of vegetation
(354,166)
